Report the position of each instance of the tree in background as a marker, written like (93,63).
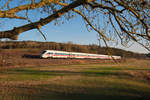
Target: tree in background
(122,21)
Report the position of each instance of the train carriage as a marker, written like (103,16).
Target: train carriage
(76,55)
(54,54)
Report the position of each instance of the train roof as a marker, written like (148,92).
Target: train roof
(79,53)
(56,51)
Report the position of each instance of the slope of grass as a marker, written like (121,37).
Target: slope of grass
(126,81)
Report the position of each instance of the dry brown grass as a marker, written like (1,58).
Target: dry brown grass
(128,80)
(30,57)
(137,62)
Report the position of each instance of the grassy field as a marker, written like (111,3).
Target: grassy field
(125,81)
(30,57)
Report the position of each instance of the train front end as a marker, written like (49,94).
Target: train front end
(44,54)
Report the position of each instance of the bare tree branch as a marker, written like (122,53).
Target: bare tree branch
(129,19)
(13,34)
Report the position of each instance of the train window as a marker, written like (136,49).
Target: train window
(57,53)
(66,54)
(61,54)
(50,53)
(43,52)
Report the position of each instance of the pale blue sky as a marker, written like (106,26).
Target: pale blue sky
(73,30)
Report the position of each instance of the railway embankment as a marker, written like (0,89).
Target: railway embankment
(22,58)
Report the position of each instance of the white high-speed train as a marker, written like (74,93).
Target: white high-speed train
(64,54)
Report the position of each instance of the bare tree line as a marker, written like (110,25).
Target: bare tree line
(91,48)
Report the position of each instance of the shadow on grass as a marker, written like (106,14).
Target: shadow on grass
(52,92)
(67,73)
(66,92)
(120,68)
(31,56)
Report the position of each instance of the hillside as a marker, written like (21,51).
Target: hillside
(92,48)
